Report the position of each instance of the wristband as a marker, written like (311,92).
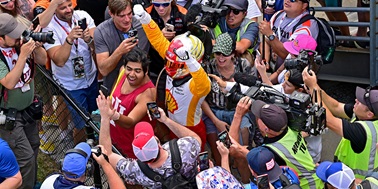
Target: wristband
(69,42)
(90,41)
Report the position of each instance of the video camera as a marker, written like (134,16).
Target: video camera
(44,37)
(207,14)
(302,114)
(305,58)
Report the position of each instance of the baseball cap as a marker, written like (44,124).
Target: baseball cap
(223,44)
(10,27)
(261,161)
(274,117)
(302,41)
(216,177)
(237,4)
(368,97)
(74,163)
(295,77)
(337,174)
(145,145)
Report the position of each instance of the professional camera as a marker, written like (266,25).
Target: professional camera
(9,120)
(305,58)
(44,37)
(302,114)
(207,14)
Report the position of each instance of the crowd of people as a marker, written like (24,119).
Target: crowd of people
(207,86)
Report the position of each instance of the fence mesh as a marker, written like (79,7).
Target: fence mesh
(57,131)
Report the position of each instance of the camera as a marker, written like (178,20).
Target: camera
(305,58)
(97,151)
(9,120)
(44,37)
(302,113)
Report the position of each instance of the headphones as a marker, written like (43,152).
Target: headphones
(89,167)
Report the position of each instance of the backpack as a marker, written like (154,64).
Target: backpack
(289,179)
(326,39)
(176,180)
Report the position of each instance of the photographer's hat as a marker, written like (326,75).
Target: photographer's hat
(10,27)
(302,41)
(368,97)
(262,161)
(274,117)
(295,77)
(237,4)
(145,145)
(75,161)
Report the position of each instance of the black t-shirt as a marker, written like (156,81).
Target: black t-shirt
(354,132)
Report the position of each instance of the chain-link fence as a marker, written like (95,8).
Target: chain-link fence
(57,130)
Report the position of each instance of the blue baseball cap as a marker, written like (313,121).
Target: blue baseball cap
(262,161)
(74,163)
(336,174)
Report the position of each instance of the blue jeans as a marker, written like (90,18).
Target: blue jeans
(85,99)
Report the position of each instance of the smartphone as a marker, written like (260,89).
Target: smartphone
(82,23)
(170,27)
(104,90)
(35,22)
(153,110)
(263,181)
(224,138)
(203,160)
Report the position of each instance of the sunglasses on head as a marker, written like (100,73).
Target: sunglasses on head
(5,2)
(367,99)
(235,11)
(158,4)
(219,53)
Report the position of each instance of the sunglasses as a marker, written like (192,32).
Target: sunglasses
(5,2)
(235,11)
(219,53)
(367,99)
(166,4)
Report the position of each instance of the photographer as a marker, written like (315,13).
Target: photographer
(287,145)
(357,149)
(76,168)
(235,22)
(17,63)
(72,63)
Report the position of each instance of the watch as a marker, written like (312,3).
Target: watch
(271,37)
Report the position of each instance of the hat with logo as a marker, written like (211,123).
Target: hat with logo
(295,77)
(337,174)
(302,41)
(217,177)
(368,97)
(223,44)
(10,27)
(274,117)
(75,161)
(261,161)
(145,145)
(237,4)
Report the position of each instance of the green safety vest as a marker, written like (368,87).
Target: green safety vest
(244,25)
(366,160)
(293,150)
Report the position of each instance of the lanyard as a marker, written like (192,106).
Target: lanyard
(288,25)
(76,41)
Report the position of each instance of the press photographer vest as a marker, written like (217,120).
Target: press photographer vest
(293,150)
(365,161)
(243,27)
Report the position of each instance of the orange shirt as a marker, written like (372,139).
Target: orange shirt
(46,3)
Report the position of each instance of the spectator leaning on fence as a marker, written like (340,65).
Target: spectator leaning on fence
(72,63)
(17,84)
(148,149)
(10,176)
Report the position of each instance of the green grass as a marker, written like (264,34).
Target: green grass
(46,166)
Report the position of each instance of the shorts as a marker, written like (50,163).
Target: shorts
(85,99)
(226,116)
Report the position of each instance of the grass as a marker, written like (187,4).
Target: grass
(46,166)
